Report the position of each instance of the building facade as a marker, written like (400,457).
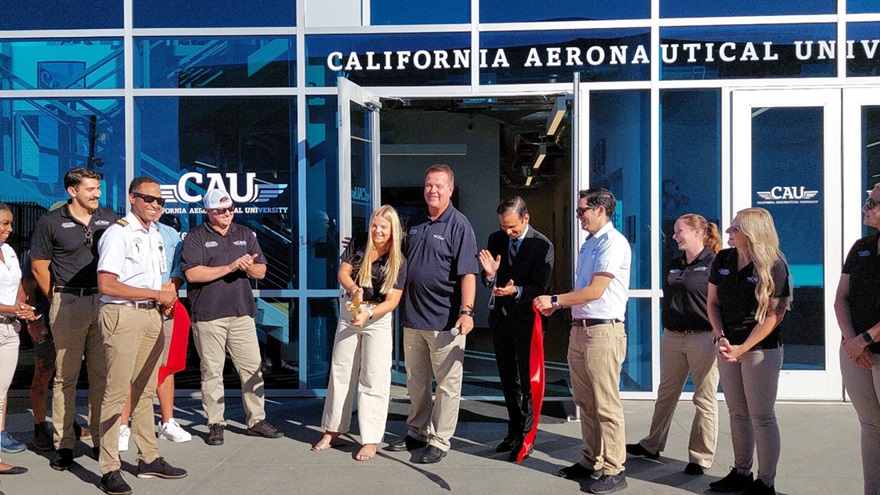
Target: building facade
(312,112)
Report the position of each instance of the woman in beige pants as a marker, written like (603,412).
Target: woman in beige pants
(372,271)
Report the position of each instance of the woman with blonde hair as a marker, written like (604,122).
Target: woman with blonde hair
(372,272)
(749,292)
(687,346)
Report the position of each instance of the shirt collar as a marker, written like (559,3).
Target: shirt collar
(604,230)
(135,224)
(232,228)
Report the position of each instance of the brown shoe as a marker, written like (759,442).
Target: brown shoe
(265,430)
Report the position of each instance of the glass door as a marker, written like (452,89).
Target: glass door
(786,158)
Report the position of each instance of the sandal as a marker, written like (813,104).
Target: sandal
(366,453)
(327,442)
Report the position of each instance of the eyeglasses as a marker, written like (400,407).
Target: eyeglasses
(871,203)
(580,211)
(223,211)
(149,198)
(87,242)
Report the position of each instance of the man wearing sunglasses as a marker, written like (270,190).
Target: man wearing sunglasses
(64,254)
(130,269)
(219,260)
(597,346)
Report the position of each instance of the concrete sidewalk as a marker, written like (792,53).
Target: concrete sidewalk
(820,454)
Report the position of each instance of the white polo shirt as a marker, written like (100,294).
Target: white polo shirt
(136,255)
(607,251)
(10,277)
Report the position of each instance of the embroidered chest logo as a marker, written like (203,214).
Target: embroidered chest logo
(723,271)
(240,243)
(701,268)
(102,222)
(752,280)
(864,254)
(67,225)
(439,237)
(675,270)
(210,244)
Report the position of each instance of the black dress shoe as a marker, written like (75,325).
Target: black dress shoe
(431,455)
(577,471)
(514,453)
(637,450)
(405,443)
(694,469)
(509,442)
(63,461)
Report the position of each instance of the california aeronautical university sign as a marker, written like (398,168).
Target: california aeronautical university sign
(191,185)
(788,195)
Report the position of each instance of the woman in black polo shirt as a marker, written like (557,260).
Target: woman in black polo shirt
(687,346)
(857,305)
(749,293)
(373,270)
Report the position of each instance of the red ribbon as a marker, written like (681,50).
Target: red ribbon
(179,342)
(536,372)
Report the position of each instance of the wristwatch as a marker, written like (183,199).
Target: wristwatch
(554,300)
(370,312)
(467,312)
(867,337)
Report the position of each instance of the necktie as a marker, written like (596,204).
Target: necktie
(514,247)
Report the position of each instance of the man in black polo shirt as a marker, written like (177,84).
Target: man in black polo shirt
(64,254)
(441,253)
(219,259)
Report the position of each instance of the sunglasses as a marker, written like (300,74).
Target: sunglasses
(580,211)
(223,211)
(87,242)
(149,199)
(871,203)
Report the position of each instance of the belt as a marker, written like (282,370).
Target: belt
(591,322)
(8,320)
(138,305)
(80,291)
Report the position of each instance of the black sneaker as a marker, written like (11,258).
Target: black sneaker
(636,449)
(609,484)
(577,471)
(113,484)
(215,434)
(733,482)
(694,469)
(759,488)
(43,437)
(63,461)
(159,469)
(265,430)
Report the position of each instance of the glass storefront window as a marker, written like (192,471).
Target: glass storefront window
(562,10)
(323,317)
(389,59)
(690,160)
(862,6)
(620,151)
(245,145)
(63,63)
(41,139)
(635,374)
(385,12)
(524,57)
(60,14)
(213,13)
(748,52)
(870,152)
(862,49)
(724,8)
(205,62)
(322,198)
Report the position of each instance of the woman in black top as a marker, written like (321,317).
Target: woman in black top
(749,292)
(687,346)
(372,270)
(857,305)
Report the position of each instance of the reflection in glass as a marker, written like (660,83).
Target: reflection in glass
(322,193)
(63,63)
(384,12)
(278,334)
(361,168)
(862,49)
(523,57)
(323,317)
(870,151)
(562,10)
(635,375)
(620,150)
(227,62)
(761,51)
(60,14)
(862,6)
(214,13)
(787,163)
(242,144)
(723,8)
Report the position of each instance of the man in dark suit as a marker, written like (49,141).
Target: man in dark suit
(516,266)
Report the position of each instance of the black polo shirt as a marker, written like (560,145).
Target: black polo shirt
(438,253)
(685,289)
(227,296)
(61,239)
(736,296)
(354,256)
(863,267)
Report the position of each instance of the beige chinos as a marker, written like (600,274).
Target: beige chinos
(863,386)
(238,335)
(133,343)
(8,358)
(362,357)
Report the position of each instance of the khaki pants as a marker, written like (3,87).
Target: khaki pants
(362,357)
(863,387)
(595,355)
(8,358)
(238,335)
(433,355)
(74,323)
(133,342)
(682,353)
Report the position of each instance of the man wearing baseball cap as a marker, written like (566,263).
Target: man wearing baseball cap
(219,259)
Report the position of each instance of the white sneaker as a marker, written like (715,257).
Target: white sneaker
(124,437)
(172,431)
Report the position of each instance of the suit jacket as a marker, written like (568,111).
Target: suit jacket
(530,270)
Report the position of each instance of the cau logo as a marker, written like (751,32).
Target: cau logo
(191,185)
(787,193)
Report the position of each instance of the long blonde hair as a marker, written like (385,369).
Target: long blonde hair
(711,236)
(763,246)
(395,255)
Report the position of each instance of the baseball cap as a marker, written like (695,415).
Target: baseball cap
(216,198)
